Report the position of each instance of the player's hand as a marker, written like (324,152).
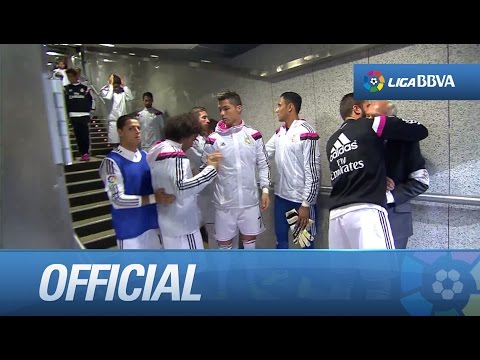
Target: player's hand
(162,198)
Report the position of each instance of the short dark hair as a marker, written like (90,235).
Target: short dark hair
(181,126)
(232,96)
(293,98)
(147,93)
(347,103)
(71,72)
(123,119)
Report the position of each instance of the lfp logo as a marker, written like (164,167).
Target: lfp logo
(373,81)
(441,283)
(416,81)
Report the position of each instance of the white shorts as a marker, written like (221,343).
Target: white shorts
(249,221)
(189,241)
(361,228)
(112,132)
(150,239)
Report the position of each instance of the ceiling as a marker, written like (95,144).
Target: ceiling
(219,55)
(190,52)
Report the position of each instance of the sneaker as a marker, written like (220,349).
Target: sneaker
(85,157)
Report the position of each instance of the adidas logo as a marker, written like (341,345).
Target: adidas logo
(341,146)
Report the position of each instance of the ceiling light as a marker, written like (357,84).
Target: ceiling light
(310,57)
(131,54)
(54,53)
(114,52)
(156,67)
(107,45)
(108,60)
(205,61)
(154,56)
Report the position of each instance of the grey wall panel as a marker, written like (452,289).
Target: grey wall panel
(464,221)
(32,186)
(430,226)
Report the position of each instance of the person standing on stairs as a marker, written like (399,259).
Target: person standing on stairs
(128,183)
(80,103)
(118,94)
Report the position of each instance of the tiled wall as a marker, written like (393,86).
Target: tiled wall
(451,150)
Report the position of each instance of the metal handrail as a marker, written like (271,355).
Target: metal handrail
(430,197)
(78,242)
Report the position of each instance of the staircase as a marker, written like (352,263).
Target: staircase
(89,205)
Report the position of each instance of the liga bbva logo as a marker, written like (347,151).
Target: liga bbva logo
(374,81)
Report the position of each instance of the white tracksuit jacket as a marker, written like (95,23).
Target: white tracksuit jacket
(243,154)
(297,160)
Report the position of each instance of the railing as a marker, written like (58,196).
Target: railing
(430,197)
(78,242)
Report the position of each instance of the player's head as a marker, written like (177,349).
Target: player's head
(128,131)
(351,108)
(183,129)
(382,107)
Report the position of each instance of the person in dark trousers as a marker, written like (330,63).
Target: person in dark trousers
(80,103)
(295,148)
(406,178)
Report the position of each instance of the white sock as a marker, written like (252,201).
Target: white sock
(249,244)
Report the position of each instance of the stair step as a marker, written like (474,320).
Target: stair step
(94,152)
(98,123)
(98,131)
(93,225)
(89,211)
(90,208)
(76,176)
(87,197)
(99,139)
(83,165)
(102,240)
(94,134)
(86,185)
(93,145)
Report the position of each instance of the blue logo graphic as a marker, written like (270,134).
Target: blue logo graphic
(416,82)
(441,283)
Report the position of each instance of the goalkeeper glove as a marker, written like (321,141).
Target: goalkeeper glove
(301,237)
(304,238)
